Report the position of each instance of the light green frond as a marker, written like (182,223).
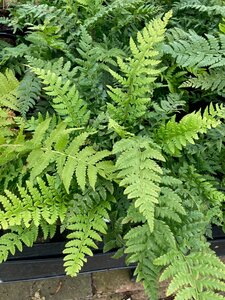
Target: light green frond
(193,275)
(176,135)
(12,241)
(8,86)
(140,71)
(33,204)
(139,173)
(85,228)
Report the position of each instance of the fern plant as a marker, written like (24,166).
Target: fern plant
(112,129)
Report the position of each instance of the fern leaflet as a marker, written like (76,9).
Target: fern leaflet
(85,228)
(140,71)
(139,173)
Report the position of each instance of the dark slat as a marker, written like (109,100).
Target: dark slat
(46,261)
(218,246)
(40,251)
(217,232)
(28,269)
(53,267)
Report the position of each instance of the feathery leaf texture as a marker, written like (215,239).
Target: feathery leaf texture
(85,228)
(8,87)
(33,204)
(213,80)
(192,50)
(197,5)
(198,275)
(8,104)
(59,67)
(140,71)
(105,11)
(66,101)
(58,127)
(72,157)
(28,92)
(143,247)
(176,135)
(11,241)
(139,173)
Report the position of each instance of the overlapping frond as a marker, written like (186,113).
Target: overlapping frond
(65,97)
(139,173)
(198,274)
(140,71)
(176,135)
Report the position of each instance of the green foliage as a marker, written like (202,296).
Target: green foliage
(175,136)
(33,204)
(66,101)
(192,50)
(139,173)
(28,93)
(200,6)
(8,104)
(140,72)
(8,87)
(196,274)
(11,241)
(112,129)
(56,150)
(212,80)
(86,228)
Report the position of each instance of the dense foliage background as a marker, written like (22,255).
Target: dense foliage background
(112,127)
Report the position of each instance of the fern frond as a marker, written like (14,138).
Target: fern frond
(139,173)
(174,136)
(32,204)
(71,158)
(198,6)
(170,205)
(66,101)
(143,247)
(29,13)
(212,80)
(28,93)
(11,241)
(192,50)
(108,10)
(86,227)
(8,86)
(58,66)
(193,275)
(140,71)
(172,104)
(55,146)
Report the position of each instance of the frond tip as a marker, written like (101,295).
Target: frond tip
(140,71)
(85,228)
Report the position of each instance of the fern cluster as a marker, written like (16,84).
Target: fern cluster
(112,130)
